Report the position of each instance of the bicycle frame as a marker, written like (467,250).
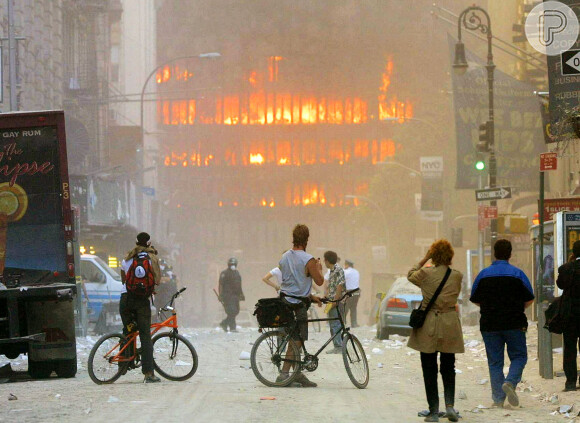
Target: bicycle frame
(295,330)
(343,329)
(170,322)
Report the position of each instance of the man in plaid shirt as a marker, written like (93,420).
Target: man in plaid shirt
(336,286)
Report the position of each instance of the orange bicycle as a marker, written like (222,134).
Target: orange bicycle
(174,357)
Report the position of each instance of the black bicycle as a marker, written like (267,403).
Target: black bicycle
(276,351)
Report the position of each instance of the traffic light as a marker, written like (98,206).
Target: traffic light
(485,137)
(479,165)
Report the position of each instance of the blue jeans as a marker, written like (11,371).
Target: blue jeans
(335,327)
(495,343)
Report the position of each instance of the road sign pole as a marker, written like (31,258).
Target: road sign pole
(480,235)
(545,357)
(493,203)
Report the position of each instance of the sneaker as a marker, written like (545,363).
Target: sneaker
(151,378)
(569,388)
(433,417)
(303,380)
(335,350)
(498,404)
(282,377)
(451,414)
(510,391)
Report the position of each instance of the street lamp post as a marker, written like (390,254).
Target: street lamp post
(475,18)
(381,212)
(140,157)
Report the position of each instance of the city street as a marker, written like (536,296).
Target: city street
(224,389)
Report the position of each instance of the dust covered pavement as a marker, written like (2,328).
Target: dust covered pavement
(224,389)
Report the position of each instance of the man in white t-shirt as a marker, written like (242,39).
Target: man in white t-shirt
(274,278)
(352,277)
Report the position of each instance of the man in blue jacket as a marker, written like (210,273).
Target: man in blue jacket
(503,292)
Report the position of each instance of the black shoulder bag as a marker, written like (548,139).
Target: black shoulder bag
(418,316)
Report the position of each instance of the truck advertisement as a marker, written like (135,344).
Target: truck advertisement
(36,250)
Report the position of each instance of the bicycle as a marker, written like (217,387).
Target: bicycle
(174,357)
(268,358)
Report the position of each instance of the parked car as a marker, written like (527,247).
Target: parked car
(103,284)
(395,309)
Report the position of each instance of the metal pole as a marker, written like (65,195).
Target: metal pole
(12,56)
(540,282)
(480,234)
(545,357)
(490,67)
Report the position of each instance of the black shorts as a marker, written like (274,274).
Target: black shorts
(301,315)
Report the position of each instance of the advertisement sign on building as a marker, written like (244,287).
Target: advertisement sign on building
(555,205)
(518,126)
(564,75)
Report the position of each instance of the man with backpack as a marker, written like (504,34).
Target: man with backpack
(140,274)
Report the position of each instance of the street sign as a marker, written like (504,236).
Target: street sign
(548,161)
(490,212)
(571,62)
(482,222)
(431,184)
(432,164)
(433,216)
(498,193)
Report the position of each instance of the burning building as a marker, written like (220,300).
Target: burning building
(252,143)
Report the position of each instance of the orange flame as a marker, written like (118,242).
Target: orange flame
(391,108)
(256,158)
(287,153)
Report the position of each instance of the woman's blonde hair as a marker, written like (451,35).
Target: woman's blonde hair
(442,253)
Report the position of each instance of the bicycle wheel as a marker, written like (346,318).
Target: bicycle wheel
(174,357)
(314,315)
(355,361)
(269,355)
(102,369)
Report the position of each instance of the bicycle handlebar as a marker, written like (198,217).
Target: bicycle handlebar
(326,300)
(167,306)
(346,294)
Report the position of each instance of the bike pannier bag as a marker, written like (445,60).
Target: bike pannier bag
(273,313)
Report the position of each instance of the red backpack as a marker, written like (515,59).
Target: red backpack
(140,280)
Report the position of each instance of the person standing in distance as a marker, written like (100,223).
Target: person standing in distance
(352,277)
(134,306)
(336,283)
(503,292)
(569,281)
(230,292)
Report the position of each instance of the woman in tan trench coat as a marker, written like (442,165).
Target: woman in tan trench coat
(441,332)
